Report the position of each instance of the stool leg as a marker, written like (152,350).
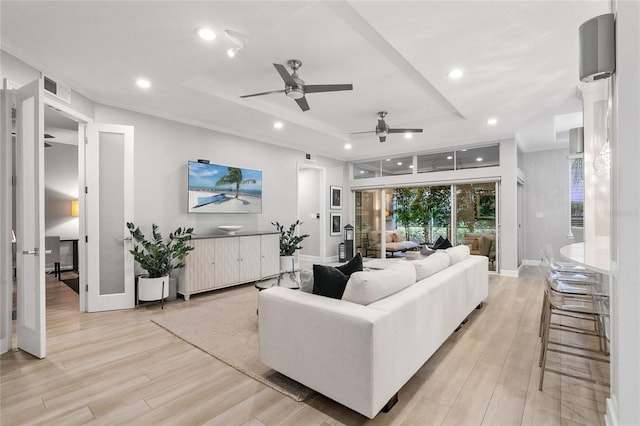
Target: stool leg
(543,349)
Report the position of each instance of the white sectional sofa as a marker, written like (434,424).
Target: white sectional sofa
(361,355)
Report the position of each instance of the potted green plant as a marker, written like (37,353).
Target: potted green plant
(289,243)
(159,258)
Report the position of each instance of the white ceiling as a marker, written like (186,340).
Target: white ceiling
(520,61)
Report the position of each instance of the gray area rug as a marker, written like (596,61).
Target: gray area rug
(227,329)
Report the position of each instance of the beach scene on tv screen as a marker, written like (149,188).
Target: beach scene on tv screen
(222,189)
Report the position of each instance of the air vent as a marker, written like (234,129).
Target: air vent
(57,90)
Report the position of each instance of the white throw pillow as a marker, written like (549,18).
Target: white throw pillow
(458,254)
(306,280)
(431,265)
(368,286)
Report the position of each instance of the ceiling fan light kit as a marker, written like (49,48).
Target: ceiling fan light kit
(382,129)
(295,88)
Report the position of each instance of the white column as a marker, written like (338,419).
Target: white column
(597,161)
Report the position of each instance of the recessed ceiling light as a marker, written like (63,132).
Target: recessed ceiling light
(399,163)
(277,124)
(347,146)
(206,34)
(408,135)
(411,166)
(455,73)
(492,121)
(479,159)
(449,157)
(231,52)
(388,159)
(361,172)
(143,83)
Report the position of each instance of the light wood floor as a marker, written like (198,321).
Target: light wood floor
(120,368)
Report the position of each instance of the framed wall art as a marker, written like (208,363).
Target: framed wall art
(336,197)
(336,223)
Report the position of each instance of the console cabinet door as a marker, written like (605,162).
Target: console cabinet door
(270,255)
(199,267)
(249,254)
(226,255)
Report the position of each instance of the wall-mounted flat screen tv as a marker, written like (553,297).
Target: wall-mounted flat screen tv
(223,189)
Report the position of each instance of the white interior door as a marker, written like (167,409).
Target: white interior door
(6,222)
(108,206)
(31,327)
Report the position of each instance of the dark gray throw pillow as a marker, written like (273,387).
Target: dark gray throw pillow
(444,244)
(354,265)
(328,281)
(437,243)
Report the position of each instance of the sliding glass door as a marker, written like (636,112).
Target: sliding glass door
(475,219)
(463,213)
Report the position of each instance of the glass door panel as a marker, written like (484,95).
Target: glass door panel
(368,223)
(476,219)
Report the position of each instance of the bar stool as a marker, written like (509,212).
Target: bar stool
(579,303)
(550,262)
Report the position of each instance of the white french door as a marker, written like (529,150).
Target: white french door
(108,206)
(31,326)
(6,223)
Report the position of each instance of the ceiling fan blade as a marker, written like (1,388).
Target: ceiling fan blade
(317,88)
(382,138)
(359,133)
(288,80)
(302,103)
(405,130)
(262,93)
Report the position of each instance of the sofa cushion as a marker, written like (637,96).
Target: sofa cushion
(328,281)
(457,254)
(396,237)
(354,265)
(431,265)
(368,286)
(388,236)
(374,237)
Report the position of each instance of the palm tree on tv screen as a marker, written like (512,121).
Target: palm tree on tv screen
(234,176)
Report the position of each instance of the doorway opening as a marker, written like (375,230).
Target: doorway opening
(61,194)
(311,208)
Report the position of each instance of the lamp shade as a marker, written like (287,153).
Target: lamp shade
(75,208)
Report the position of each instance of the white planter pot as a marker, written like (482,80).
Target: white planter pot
(153,288)
(287,263)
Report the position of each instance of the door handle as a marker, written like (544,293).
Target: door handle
(48,251)
(35,251)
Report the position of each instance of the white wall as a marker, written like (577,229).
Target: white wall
(547,195)
(162,150)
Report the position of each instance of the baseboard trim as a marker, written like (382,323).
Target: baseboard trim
(514,273)
(611,414)
(531,262)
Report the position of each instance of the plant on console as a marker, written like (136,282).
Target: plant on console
(289,241)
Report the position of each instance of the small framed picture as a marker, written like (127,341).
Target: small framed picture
(336,197)
(336,223)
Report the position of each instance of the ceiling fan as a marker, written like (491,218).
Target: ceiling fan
(382,129)
(295,88)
